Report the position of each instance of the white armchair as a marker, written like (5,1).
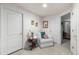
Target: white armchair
(45,42)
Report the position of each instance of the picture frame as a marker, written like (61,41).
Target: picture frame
(45,24)
(36,24)
(32,22)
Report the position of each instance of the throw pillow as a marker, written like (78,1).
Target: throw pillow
(45,36)
(42,34)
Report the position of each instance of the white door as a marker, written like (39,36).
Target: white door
(74,32)
(14,31)
(78,31)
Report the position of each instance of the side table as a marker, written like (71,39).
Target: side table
(33,43)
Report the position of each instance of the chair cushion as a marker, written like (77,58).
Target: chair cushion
(46,40)
(46,45)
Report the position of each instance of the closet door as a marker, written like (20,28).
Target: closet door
(74,32)
(78,31)
(14,30)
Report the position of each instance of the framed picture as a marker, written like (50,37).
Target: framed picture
(36,24)
(45,24)
(32,22)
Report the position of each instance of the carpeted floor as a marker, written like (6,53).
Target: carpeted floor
(56,50)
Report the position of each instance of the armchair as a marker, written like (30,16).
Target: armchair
(45,42)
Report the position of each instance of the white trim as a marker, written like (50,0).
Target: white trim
(64,13)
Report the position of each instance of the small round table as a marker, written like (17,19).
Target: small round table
(33,42)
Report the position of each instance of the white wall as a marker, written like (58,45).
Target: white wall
(54,23)
(0,30)
(75,29)
(54,28)
(27,18)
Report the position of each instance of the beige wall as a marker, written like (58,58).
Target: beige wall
(27,18)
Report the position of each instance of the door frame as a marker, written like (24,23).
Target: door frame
(22,31)
(61,25)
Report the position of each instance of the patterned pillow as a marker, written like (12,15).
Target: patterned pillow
(45,36)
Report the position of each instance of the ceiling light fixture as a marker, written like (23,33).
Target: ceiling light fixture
(45,5)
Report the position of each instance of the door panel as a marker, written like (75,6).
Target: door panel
(78,31)
(14,28)
(73,33)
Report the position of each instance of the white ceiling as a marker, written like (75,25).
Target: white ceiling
(52,9)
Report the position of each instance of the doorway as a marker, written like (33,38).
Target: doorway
(65,28)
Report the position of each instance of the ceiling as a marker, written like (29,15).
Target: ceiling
(52,8)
